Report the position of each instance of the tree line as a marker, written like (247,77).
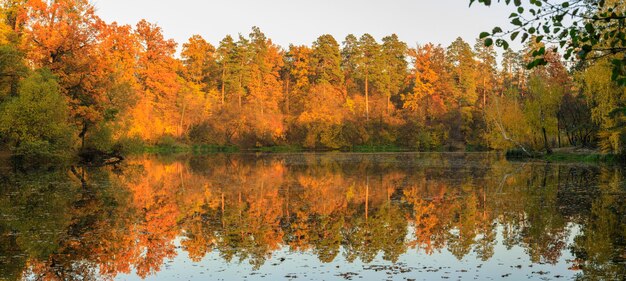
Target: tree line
(70,81)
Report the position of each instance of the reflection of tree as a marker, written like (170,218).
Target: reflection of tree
(487,234)
(248,206)
(544,231)
(325,236)
(11,263)
(600,248)
(390,230)
(461,238)
(77,232)
(425,222)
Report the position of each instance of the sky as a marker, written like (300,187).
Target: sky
(300,22)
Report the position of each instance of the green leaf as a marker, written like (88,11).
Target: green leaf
(504,44)
(536,62)
(524,37)
(488,42)
(484,35)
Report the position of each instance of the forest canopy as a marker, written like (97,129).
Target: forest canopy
(72,82)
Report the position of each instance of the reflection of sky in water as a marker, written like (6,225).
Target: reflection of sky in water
(414,264)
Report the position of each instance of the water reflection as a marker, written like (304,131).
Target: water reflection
(100,223)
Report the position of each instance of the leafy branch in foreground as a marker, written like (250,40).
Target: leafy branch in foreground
(581,29)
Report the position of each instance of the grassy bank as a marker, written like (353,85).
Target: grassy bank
(568,154)
(582,158)
(184,148)
(377,148)
(172,148)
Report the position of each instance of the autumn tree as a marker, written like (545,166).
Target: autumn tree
(323,117)
(546,86)
(116,54)
(297,76)
(199,60)
(428,101)
(159,111)
(606,98)
(265,87)
(426,98)
(486,60)
(62,36)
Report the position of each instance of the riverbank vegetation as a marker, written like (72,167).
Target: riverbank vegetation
(71,83)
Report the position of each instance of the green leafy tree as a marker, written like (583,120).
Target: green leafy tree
(487,68)
(583,29)
(349,53)
(395,67)
(326,61)
(368,66)
(35,123)
(462,63)
(227,64)
(513,70)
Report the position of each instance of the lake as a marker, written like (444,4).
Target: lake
(307,216)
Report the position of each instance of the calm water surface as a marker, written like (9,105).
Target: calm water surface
(399,216)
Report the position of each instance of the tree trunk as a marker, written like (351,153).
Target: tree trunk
(223,85)
(83,133)
(287,109)
(484,94)
(367,106)
(14,85)
(388,103)
(182,118)
(240,87)
(367,196)
(545,140)
(558,128)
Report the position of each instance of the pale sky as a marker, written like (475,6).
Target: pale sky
(301,22)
